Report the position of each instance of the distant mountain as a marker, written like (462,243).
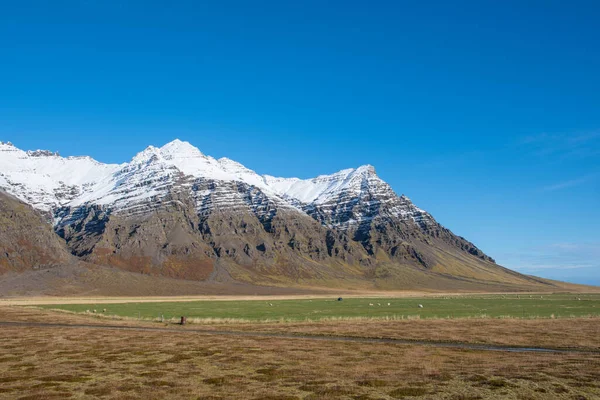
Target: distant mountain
(175,212)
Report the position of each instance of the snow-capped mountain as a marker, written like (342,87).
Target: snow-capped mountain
(49,182)
(45,179)
(175,211)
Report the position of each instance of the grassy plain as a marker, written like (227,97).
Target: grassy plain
(463,306)
(58,362)
(78,355)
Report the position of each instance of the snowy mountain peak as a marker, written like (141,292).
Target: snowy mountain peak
(147,155)
(324,187)
(366,169)
(179,149)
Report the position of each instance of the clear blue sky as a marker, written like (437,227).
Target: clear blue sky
(485,113)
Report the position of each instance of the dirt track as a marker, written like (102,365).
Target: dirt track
(33,301)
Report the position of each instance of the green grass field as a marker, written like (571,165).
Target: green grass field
(493,306)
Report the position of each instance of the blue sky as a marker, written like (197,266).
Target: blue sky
(485,113)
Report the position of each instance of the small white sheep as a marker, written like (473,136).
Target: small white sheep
(271,304)
(370,304)
(420,305)
(94,311)
(389,304)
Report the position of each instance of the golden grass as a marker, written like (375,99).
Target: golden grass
(78,363)
(319,293)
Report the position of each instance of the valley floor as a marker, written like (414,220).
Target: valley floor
(46,355)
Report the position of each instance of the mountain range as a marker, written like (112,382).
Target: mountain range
(176,213)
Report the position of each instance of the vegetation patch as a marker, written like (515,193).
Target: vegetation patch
(465,397)
(46,396)
(9,379)
(65,378)
(496,383)
(98,391)
(408,391)
(219,381)
(560,389)
(372,383)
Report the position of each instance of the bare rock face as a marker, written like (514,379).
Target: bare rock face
(175,212)
(27,241)
(371,214)
(210,231)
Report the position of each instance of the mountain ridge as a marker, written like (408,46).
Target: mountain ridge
(187,159)
(176,212)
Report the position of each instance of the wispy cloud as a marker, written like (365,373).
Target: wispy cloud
(559,148)
(569,183)
(584,138)
(556,257)
(534,268)
(563,145)
(573,139)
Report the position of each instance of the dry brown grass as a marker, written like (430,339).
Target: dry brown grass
(569,332)
(77,363)
(566,332)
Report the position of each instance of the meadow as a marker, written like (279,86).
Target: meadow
(66,357)
(464,306)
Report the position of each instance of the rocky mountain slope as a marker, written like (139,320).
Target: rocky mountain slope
(27,241)
(175,212)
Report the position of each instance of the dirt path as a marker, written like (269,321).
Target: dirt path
(32,301)
(430,343)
